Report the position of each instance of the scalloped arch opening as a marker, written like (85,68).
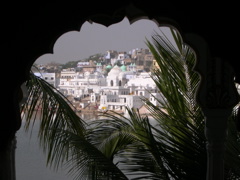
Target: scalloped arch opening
(93,38)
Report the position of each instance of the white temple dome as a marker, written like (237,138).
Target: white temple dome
(115,71)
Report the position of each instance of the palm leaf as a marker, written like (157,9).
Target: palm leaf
(120,147)
(175,146)
(63,134)
(129,142)
(180,117)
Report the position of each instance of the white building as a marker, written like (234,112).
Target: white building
(122,92)
(51,78)
(80,85)
(120,89)
(114,95)
(120,58)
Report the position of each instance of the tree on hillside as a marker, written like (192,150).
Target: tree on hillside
(70,64)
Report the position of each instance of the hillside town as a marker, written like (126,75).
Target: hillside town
(118,81)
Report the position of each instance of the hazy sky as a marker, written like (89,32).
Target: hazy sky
(96,38)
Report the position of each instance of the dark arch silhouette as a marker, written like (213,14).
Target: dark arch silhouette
(31,29)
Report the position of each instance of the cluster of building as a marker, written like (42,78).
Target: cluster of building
(122,81)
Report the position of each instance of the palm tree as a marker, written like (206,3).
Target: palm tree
(63,134)
(174,147)
(167,144)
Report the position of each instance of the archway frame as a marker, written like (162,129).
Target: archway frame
(37,42)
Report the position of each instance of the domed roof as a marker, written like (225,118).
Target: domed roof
(115,71)
(123,68)
(108,66)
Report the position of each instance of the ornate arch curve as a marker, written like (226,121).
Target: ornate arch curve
(31,30)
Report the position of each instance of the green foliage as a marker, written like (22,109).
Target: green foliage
(63,134)
(118,63)
(70,64)
(73,64)
(96,57)
(168,144)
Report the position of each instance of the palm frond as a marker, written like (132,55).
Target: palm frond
(179,116)
(168,144)
(129,142)
(63,134)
